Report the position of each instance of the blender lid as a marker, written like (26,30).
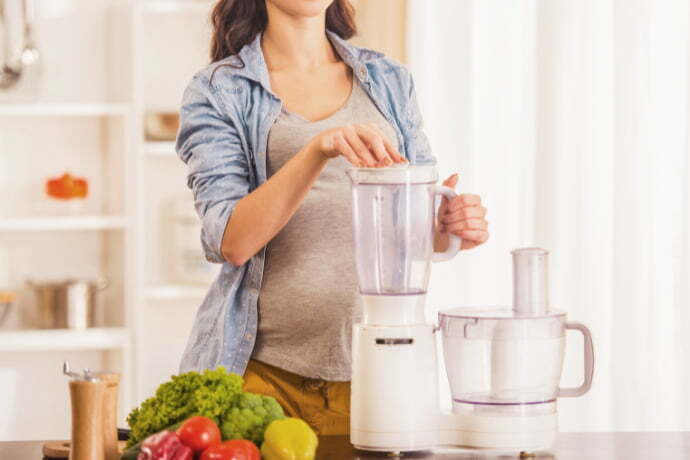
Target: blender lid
(494,313)
(397,174)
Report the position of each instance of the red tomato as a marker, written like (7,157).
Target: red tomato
(237,449)
(199,433)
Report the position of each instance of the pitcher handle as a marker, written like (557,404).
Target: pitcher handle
(589,362)
(454,241)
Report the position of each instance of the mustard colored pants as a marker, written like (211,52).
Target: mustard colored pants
(325,406)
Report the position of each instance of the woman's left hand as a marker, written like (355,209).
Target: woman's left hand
(463,216)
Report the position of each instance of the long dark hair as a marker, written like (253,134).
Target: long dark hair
(236,23)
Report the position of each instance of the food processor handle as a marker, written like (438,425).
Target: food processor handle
(589,362)
(454,241)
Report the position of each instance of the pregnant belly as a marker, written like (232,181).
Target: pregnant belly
(303,312)
(309,296)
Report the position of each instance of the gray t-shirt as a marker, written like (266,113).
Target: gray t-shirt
(309,297)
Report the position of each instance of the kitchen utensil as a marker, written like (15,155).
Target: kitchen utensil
(10,69)
(16,62)
(7,299)
(30,53)
(61,449)
(109,418)
(56,449)
(94,417)
(504,364)
(393,397)
(67,304)
(161,126)
(87,397)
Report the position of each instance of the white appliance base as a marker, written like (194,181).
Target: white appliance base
(523,434)
(394,397)
(393,442)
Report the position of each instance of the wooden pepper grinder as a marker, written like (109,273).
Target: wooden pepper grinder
(86,394)
(109,414)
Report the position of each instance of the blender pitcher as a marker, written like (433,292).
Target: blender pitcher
(393,220)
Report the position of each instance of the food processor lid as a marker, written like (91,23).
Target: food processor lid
(497,313)
(397,174)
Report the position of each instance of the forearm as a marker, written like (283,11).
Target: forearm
(260,215)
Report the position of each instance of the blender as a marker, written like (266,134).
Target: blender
(504,364)
(394,399)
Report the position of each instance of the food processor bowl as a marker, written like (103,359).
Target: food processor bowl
(498,361)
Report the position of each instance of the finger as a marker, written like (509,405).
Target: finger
(373,139)
(342,147)
(390,148)
(464,199)
(477,236)
(468,212)
(467,224)
(358,146)
(452,181)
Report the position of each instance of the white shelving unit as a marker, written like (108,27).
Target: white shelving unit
(63,110)
(160,148)
(38,340)
(38,224)
(123,234)
(175,292)
(169,43)
(71,116)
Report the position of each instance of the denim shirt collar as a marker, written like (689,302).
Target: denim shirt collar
(252,65)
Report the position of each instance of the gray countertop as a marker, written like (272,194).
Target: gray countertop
(594,446)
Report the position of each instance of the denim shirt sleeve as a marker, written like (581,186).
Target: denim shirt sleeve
(210,145)
(415,138)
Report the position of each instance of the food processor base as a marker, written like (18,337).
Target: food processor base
(517,433)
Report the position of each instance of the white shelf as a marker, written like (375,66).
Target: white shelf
(63,109)
(62,223)
(176,6)
(176,292)
(63,339)
(163,149)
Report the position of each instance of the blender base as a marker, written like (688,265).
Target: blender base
(518,433)
(394,396)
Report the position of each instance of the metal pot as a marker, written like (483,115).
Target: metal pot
(67,304)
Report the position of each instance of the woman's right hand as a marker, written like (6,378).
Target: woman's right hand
(365,146)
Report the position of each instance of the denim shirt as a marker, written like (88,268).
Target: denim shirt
(227,112)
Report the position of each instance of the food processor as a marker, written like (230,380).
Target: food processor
(503,364)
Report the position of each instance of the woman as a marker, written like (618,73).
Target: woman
(267,131)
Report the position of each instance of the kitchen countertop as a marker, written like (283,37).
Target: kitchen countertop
(580,446)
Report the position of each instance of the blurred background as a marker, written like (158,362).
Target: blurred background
(570,119)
